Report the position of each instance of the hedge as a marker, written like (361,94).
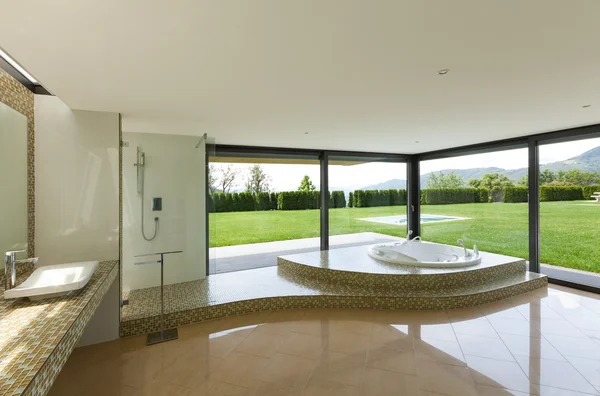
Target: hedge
(338,199)
(560,193)
(372,198)
(273,201)
(515,194)
(482,195)
(588,191)
(298,200)
(350,199)
(440,196)
(263,201)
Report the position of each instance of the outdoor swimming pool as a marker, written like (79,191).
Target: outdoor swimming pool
(401,219)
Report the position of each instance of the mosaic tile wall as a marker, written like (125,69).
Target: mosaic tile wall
(33,358)
(16,96)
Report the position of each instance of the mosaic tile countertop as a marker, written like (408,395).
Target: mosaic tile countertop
(38,336)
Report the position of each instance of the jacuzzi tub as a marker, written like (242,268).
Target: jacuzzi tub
(424,254)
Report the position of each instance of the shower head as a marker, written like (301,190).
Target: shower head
(141,158)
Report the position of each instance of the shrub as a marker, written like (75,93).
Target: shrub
(350,199)
(439,196)
(211,203)
(314,202)
(219,202)
(560,193)
(263,201)
(273,200)
(228,202)
(588,191)
(235,202)
(515,194)
(298,200)
(338,199)
(402,197)
(372,198)
(482,195)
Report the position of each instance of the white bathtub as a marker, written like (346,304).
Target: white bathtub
(424,254)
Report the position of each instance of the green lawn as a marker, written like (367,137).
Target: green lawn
(570,234)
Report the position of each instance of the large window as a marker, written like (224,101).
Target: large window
(569,181)
(260,207)
(479,198)
(367,200)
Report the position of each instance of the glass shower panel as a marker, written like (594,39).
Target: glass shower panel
(163,211)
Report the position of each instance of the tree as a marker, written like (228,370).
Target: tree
(451,180)
(576,177)
(228,177)
(524,182)
(212,178)
(306,184)
(258,180)
(546,177)
(495,183)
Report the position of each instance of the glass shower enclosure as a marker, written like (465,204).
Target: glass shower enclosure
(163,210)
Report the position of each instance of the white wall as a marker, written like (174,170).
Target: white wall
(13,179)
(76,196)
(104,325)
(77,183)
(175,171)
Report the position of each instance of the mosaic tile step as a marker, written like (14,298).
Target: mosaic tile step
(38,336)
(271,288)
(352,266)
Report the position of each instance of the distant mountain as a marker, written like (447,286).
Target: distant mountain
(394,184)
(588,161)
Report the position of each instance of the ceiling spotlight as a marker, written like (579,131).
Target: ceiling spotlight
(586,106)
(443,71)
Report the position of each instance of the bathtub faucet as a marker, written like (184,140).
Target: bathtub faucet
(408,239)
(462,243)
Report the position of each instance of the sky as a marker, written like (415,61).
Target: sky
(285,177)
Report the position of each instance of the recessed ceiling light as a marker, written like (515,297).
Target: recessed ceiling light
(416,141)
(306,133)
(586,106)
(14,64)
(443,71)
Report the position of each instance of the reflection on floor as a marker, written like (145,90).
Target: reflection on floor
(525,345)
(259,255)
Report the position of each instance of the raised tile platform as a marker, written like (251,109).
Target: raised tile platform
(328,284)
(353,266)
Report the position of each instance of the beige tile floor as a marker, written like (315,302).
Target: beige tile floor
(533,344)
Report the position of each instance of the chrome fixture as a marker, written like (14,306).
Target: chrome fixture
(462,243)
(10,267)
(164,334)
(141,165)
(408,238)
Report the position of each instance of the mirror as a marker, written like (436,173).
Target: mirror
(13,180)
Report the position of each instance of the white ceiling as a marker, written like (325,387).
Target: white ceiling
(356,75)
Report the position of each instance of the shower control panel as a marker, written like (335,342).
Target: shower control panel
(156,204)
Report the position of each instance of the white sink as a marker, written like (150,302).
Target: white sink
(54,280)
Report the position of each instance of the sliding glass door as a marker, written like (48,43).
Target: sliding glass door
(569,179)
(479,198)
(367,200)
(261,205)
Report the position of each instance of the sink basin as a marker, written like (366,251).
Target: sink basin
(54,280)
